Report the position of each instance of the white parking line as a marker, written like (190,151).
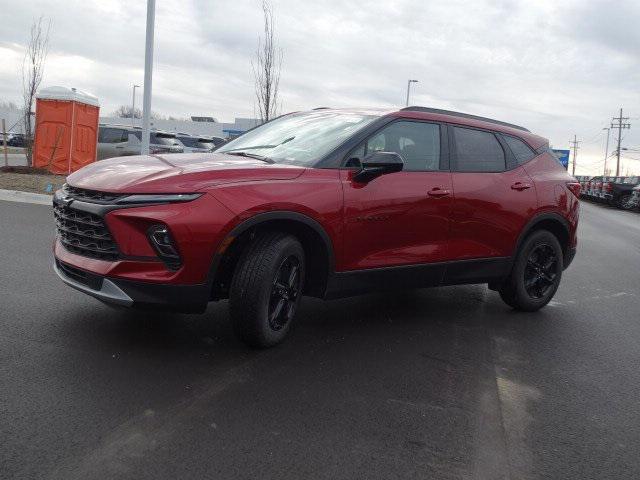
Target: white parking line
(25,197)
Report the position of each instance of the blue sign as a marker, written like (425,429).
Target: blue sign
(563,157)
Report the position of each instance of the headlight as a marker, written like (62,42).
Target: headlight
(158,198)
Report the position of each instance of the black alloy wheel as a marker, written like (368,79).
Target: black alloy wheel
(266,288)
(284,293)
(540,272)
(536,273)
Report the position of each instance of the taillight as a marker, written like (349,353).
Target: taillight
(574,187)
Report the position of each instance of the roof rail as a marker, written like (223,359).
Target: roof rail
(462,115)
(321,108)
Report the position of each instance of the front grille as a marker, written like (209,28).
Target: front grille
(92,196)
(84,233)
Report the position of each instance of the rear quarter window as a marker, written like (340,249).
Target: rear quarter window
(520,150)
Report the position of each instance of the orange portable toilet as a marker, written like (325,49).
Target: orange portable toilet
(66,131)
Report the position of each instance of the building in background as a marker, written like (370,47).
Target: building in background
(197,127)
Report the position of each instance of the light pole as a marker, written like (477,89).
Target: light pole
(148,73)
(606,150)
(409,82)
(133,105)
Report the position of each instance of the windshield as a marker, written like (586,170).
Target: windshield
(189,142)
(156,138)
(299,139)
(163,139)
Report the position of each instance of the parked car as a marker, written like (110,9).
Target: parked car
(619,191)
(594,185)
(582,180)
(218,141)
(326,203)
(635,197)
(196,144)
(16,140)
(121,140)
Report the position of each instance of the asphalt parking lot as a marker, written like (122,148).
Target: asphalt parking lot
(444,383)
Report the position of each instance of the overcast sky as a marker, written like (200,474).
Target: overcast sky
(558,68)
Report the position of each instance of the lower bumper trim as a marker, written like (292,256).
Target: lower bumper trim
(108,292)
(143,295)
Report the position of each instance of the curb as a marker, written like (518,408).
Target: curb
(26,197)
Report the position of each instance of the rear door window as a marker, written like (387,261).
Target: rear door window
(477,151)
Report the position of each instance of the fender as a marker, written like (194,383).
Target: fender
(266,217)
(535,221)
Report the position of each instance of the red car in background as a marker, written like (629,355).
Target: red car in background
(326,203)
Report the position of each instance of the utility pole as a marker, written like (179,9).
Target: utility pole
(148,73)
(575,146)
(621,125)
(606,150)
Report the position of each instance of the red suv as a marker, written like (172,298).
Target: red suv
(326,203)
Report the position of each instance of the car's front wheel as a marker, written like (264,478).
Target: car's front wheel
(266,288)
(536,273)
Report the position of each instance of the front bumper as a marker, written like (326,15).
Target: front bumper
(126,293)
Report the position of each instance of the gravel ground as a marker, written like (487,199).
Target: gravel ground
(31,182)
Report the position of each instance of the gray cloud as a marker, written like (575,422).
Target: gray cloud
(557,67)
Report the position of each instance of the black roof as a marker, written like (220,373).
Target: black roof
(462,115)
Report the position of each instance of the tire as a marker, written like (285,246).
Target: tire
(624,202)
(265,292)
(536,273)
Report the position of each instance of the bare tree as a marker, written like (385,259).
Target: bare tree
(32,71)
(124,111)
(8,106)
(266,67)
(156,116)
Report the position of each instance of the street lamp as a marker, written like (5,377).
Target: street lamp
(409,82)
(133,105)
(606,150)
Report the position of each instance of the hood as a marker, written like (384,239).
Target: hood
(173,173)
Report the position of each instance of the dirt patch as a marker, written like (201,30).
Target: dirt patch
(30,180)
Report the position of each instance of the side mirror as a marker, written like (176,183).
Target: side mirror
(378,163)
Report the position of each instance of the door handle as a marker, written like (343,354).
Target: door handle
(438,192)
(520,186)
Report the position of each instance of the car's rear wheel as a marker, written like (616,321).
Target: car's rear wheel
(536,273)
(266,288)
(625,202)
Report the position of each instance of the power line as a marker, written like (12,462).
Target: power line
(575,152)
(622,124)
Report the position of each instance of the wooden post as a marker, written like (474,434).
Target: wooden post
(4,142)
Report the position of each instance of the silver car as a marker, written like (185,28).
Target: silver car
(196,144)
(120,140)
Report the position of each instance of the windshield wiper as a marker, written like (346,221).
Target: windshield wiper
(251,155)
(258,147)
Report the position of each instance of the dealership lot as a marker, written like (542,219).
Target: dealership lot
(441,383)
